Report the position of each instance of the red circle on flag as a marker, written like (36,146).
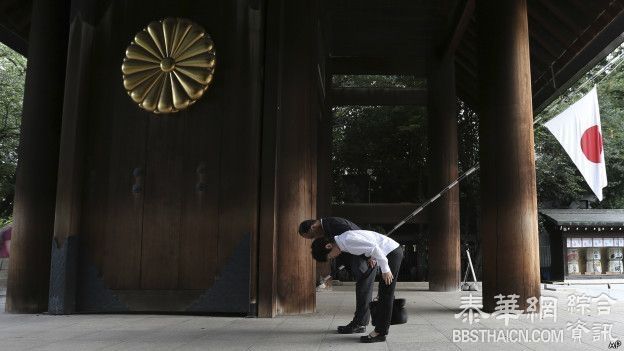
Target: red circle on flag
(591,144)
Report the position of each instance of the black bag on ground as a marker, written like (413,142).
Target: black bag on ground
(399,314)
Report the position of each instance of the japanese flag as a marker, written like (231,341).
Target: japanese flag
(578,130)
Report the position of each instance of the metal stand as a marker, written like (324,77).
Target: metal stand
(469,286)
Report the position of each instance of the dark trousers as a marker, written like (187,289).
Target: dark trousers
(364,280)
(386,292)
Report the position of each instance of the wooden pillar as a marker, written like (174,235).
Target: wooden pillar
(288,170)
(35,188)
(255,12)
(73,144)
(509,232)
(267,235)
(444,255)
(324,141)
(324,163)
(324,177)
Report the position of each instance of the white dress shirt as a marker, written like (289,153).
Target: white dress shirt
(368,243)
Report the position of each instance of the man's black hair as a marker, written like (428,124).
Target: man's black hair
(305,226)
(319,251)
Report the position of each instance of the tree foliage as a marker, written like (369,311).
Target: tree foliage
(12,76)
(379,152)
(387,146)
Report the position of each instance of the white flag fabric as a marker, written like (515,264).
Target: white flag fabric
(579,132)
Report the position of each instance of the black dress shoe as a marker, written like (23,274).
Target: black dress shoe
(351,328)
(369,339)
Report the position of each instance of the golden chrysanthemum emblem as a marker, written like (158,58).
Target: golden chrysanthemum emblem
(169,65)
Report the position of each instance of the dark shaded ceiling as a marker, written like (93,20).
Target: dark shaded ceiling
(567,37)
(15,24)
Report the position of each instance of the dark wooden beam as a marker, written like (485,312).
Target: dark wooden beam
(8,6)
(362,47)
(467,88)
(467,64)
(562,16)
(15,16)
(460,28)
(362,213)
(379,43)
(468,45)
(540,59)
(13,40)
(375,5)
(363,14)
(374,27)
(23,21)
(472,28)
(541,40)
(355,37)
(538,14)
(377,97)
(586,7)
(377,65)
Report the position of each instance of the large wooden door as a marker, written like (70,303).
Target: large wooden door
(170,201)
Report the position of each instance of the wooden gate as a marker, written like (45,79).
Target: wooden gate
(170,201)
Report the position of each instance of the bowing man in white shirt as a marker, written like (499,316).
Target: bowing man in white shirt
(388,254)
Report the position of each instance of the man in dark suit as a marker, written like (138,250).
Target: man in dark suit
(363,269)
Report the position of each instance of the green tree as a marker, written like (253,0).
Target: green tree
(379,152)
(12,76)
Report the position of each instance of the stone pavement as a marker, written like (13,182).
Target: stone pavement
(430,327)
